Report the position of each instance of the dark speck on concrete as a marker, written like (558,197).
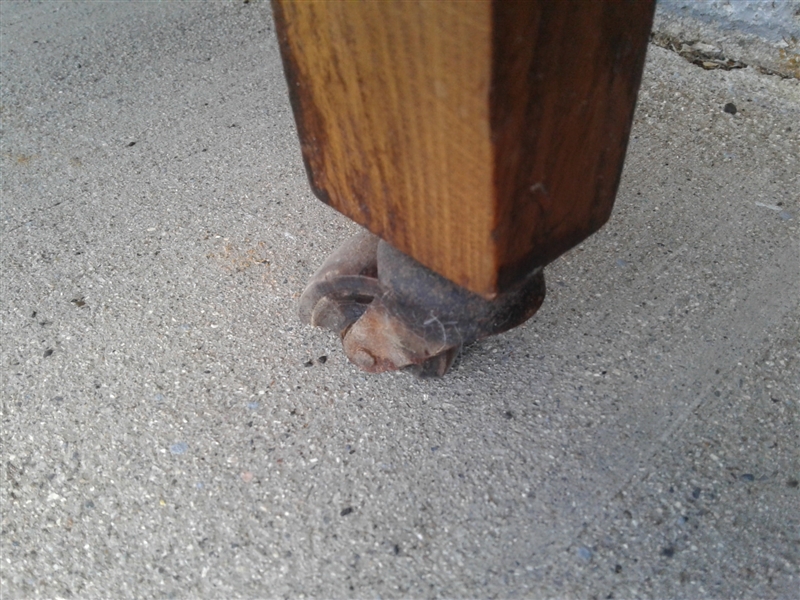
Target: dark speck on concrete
(346,511)
(696,493)
(748,477)
(668,552)
(48,352)
(309,363)
(323,359)
(792,483)
(730,108)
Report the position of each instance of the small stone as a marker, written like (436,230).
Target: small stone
(706,48)
(179,448)
(748,477)
(346,511)
(730,108)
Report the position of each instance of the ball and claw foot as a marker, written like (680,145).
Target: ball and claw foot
(393,313)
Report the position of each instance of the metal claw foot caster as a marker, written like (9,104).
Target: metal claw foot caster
(393,313)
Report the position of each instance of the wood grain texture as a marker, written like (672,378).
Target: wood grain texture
(481,138)
(565,79)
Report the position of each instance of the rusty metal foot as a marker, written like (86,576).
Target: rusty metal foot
(393,313)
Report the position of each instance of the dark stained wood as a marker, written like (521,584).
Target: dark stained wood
(481,138)
(565,78)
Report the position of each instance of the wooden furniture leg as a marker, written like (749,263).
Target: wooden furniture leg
(479,140)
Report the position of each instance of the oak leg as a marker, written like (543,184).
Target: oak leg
(479,140)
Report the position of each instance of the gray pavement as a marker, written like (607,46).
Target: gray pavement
(170,430)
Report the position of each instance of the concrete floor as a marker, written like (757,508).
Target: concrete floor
(169,428)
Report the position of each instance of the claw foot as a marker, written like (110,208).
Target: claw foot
(393,313)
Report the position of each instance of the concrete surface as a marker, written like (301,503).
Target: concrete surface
(170,430)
